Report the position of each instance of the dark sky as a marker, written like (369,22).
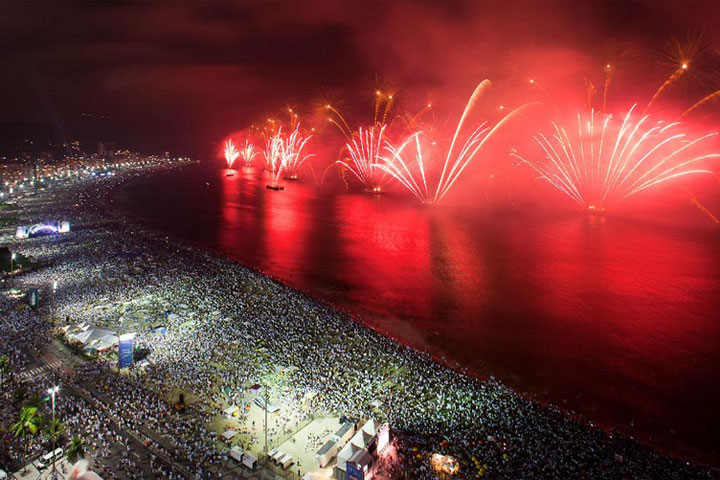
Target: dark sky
(180,75)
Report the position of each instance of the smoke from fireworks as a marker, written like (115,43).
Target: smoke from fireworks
(597,163)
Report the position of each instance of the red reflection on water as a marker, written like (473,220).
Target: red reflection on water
(387,252)
(615,318)
(286,227)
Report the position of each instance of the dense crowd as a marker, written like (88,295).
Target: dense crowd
(229,327)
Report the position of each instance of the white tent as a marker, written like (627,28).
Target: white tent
(345,454)
(230,411)
(361,439)
(106,341)
(358,442)
(371,427)
(90,335)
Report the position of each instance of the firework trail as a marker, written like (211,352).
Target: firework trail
(382,102)
(319,180)
(378,98)
(702,207)
(429,185)
(670,80)
(606,86)
(294,118)
(388,105)
(590,92)
(600,164)
(713,96)
(365,151)
(231,153)
(284,155)
(410,121)
(343,125)
(274,148)
(292,156)
(248,153)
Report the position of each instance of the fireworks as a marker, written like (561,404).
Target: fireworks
(365,145)
(606,85)
(597,163)
(365,161)
(702,208)
(414,179)
(712,97)
(292,153)
(248,152)
(274,158)
(284,155)
(670,80)
(430,185)
(231,153)
(339,121)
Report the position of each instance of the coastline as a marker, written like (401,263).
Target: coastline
(470,388)
(579,409)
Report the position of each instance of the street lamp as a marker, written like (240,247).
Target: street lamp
(52,391)
(267,398)
(54,289)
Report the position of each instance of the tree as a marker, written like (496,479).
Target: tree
(26,426)
(5,368)
(53,430)
(20,394)
(76,450)
(34,400)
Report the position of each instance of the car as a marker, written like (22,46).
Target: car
(47,459)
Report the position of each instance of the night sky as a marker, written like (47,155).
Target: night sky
(180,75)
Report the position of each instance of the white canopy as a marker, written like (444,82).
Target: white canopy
(91,335)
(348,451)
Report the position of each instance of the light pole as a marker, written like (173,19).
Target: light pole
(119,334)
(52,391)
(52,310)
(267,397)
(12,269)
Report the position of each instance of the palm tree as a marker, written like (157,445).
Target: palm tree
(76,450)
(26,425)
(53,430)
(34,400)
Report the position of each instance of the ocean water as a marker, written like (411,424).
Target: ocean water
(614,318)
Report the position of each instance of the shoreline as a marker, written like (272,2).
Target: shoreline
(537,394)
(456,378)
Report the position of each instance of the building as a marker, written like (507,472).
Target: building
(106,149)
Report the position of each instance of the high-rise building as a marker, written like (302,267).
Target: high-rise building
(106,149)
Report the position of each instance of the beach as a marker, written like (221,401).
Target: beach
(229,327)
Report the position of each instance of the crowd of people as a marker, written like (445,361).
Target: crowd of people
(229,327)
